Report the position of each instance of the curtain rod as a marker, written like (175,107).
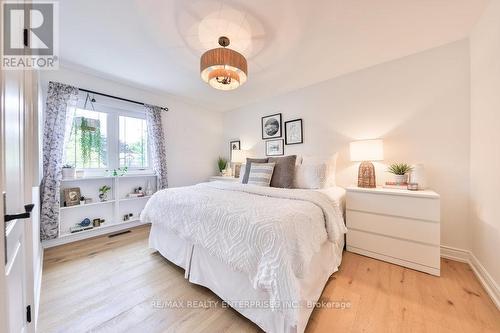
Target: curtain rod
(115,97)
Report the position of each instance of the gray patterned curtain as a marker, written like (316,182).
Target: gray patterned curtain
(60,98)
(157,144)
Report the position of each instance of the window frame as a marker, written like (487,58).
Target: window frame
(113,140)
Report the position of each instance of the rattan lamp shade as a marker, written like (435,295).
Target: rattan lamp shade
(365,151)
(223,68)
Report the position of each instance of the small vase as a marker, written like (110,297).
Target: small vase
(400,179)
(68,173)
(103,197)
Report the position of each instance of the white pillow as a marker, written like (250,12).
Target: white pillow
(316,172)
(261,174)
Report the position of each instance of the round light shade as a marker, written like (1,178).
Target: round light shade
(223,68)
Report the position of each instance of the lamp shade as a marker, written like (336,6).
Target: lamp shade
(367,150)
(238,156)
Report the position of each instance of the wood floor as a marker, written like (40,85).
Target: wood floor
(112,284)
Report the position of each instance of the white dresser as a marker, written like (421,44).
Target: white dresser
(397,226)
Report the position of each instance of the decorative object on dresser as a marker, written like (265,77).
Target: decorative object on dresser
(271,126)
(275,147)
(293,132)
(400,172)
(221,164)
(365,151)
(72,196)
(68,171)
(397,226)
(238,157)
(417,176)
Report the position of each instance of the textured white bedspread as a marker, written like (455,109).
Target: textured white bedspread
(270,234)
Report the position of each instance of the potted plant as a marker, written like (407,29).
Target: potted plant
(82,200)
(400,171)
(221,163)
(68,171)
(103,192)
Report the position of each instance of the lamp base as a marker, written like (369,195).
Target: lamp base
(237,170)
(366,175)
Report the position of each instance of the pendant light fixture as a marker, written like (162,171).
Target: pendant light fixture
(223,68)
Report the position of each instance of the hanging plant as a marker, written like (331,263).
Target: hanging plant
(90,138)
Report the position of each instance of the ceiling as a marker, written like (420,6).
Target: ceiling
(289,44)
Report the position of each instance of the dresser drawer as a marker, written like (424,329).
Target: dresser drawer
(394,226)
(392,248)
(396,205)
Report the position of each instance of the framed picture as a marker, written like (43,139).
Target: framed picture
(271,126)
(72,196)
(293,132)
(233,145)
(275,147)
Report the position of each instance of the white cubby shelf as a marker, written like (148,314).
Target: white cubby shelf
(112,210)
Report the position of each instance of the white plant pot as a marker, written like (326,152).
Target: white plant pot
(68,173)
(400,178)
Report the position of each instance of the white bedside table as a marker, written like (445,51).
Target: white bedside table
(397,226)
(223,178)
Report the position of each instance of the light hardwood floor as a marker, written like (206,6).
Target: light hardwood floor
(111,284)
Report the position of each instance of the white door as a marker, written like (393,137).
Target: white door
(15,290)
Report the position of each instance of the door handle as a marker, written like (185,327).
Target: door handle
(25,215)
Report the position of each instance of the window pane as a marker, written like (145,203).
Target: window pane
(87,145)
(133,142)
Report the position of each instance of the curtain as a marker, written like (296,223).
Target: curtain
(60,98)
(157,144)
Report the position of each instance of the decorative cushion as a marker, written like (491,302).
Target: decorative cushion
(283,171)
(310,176)
(249,164)
(261,174)
(331,166)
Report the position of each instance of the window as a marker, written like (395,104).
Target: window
(87,145)
(133,143)
(107,138)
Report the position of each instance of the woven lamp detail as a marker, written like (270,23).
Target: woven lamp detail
(366,151)
(223,68)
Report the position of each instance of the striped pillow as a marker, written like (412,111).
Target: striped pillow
(261,174)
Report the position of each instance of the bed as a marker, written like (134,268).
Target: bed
(266,252)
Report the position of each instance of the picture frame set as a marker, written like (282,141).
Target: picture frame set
(272,128)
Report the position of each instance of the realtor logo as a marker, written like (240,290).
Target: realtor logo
(29,35)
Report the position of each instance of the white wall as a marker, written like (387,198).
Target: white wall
(418,104)
(485,140)
(192,134)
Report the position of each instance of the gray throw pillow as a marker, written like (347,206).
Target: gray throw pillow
(284,171)
(249,165)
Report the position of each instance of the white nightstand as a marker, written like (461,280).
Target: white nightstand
(223,178)
(398,226)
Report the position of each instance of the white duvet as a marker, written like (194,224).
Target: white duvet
(268,233)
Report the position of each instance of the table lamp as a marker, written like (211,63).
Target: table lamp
(366,151)
(237,158)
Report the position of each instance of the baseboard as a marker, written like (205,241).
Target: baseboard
(453,253)
(481,273)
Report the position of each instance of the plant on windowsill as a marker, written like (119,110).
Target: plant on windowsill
(68,171)
(103,192)
(118,172)
(221,164)
(400,172)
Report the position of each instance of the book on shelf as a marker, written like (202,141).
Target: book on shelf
(396,186)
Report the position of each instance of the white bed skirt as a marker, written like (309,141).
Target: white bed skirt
(235,288)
